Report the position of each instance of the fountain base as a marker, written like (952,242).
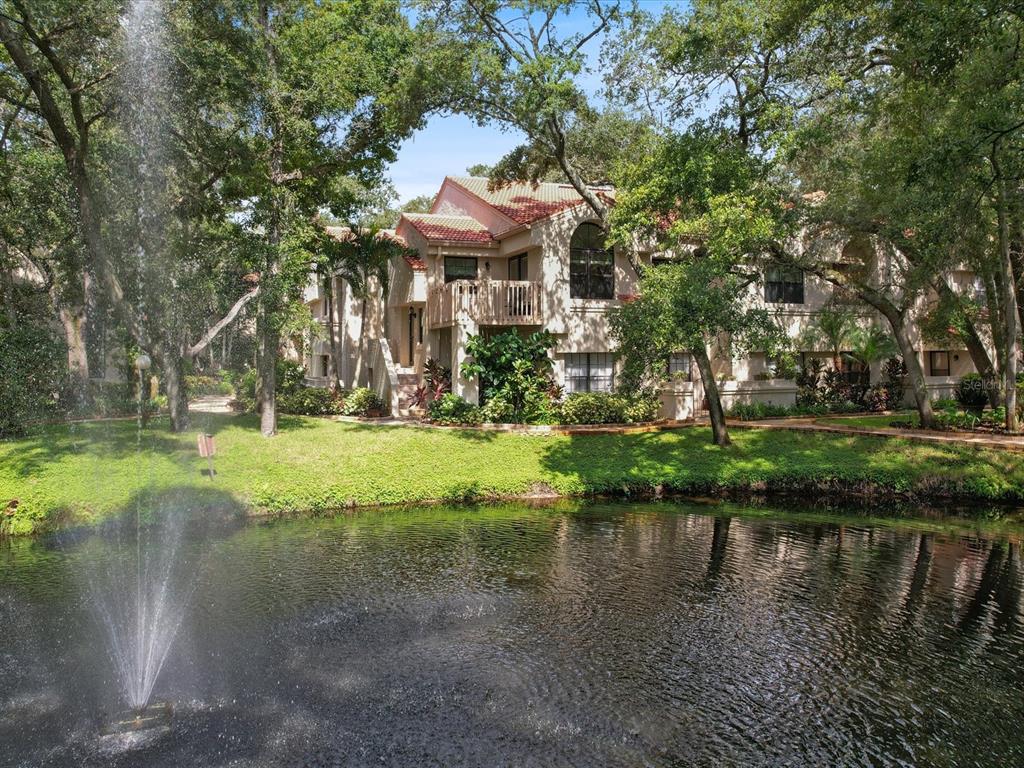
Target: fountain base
(157,715)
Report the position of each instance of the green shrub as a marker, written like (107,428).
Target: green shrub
(971,391)
(877,398)
(514,373)
(198,385)
(607,408)
(33,369)
(106,398)
(245,389)
(363,401)
(808,382)
(498,410)
(753,411)
(994,418)
(593,408)
(290,377)
(311,401)
(952,418)
(450,409)
(945,404)
(642,408)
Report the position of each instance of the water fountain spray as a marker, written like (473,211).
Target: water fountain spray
(142,592)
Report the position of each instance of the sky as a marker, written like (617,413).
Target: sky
(447,145)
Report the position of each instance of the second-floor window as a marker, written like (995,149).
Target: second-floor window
(589,372)
(591,264)
(784,286)
(459,268)
(517,267)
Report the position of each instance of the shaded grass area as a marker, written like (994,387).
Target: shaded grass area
(907,419)
(83,473)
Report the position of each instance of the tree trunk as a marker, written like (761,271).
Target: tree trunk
(975,347)
(1008,299)
(72,318)
(268,335)
(174,384)
(914,370)
(334,331)
(719,431)
(267,341)
(361,362)
(1008,295)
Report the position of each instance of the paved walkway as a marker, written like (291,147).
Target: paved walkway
(970,439)
(211,404)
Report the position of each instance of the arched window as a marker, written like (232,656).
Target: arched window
(591,264)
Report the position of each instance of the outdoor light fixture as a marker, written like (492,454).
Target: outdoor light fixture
(142,362)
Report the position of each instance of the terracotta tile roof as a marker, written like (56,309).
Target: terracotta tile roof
(438,226)
(414,261)
(525,203)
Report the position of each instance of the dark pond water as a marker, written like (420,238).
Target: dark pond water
(604,635)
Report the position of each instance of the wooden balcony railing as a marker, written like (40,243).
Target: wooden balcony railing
(486,302)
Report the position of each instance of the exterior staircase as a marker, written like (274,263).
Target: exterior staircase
(408,382)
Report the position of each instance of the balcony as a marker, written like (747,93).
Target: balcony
(486,302)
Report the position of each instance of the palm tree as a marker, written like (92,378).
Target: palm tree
(360,256)
(834,330)
(869,345)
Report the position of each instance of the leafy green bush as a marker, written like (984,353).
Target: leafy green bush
(198,385)
(641,408)
(994,418)
(311,401)
(33,367)
(514,372)
(450,409)
(877,398)
(363,401)
(808,382)
(245,390)
(290,377)
(106,398)
(607,408)
(894,373)
(971,391)
(753,411)
(953,418)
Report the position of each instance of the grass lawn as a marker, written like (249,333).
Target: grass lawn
(86,472)
(908,419)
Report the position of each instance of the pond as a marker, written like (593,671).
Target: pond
(602,634)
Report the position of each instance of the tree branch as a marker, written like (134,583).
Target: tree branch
(221,324)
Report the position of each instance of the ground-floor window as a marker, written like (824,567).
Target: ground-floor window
(854,371)
(938,363)
(589,372)
(325,364)
(680,366)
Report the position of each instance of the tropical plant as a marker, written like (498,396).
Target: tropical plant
(363,401)
(808,382)
(515,370)
(311,401)
(971,391)
(450,410)
(608,408)
(437,380)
